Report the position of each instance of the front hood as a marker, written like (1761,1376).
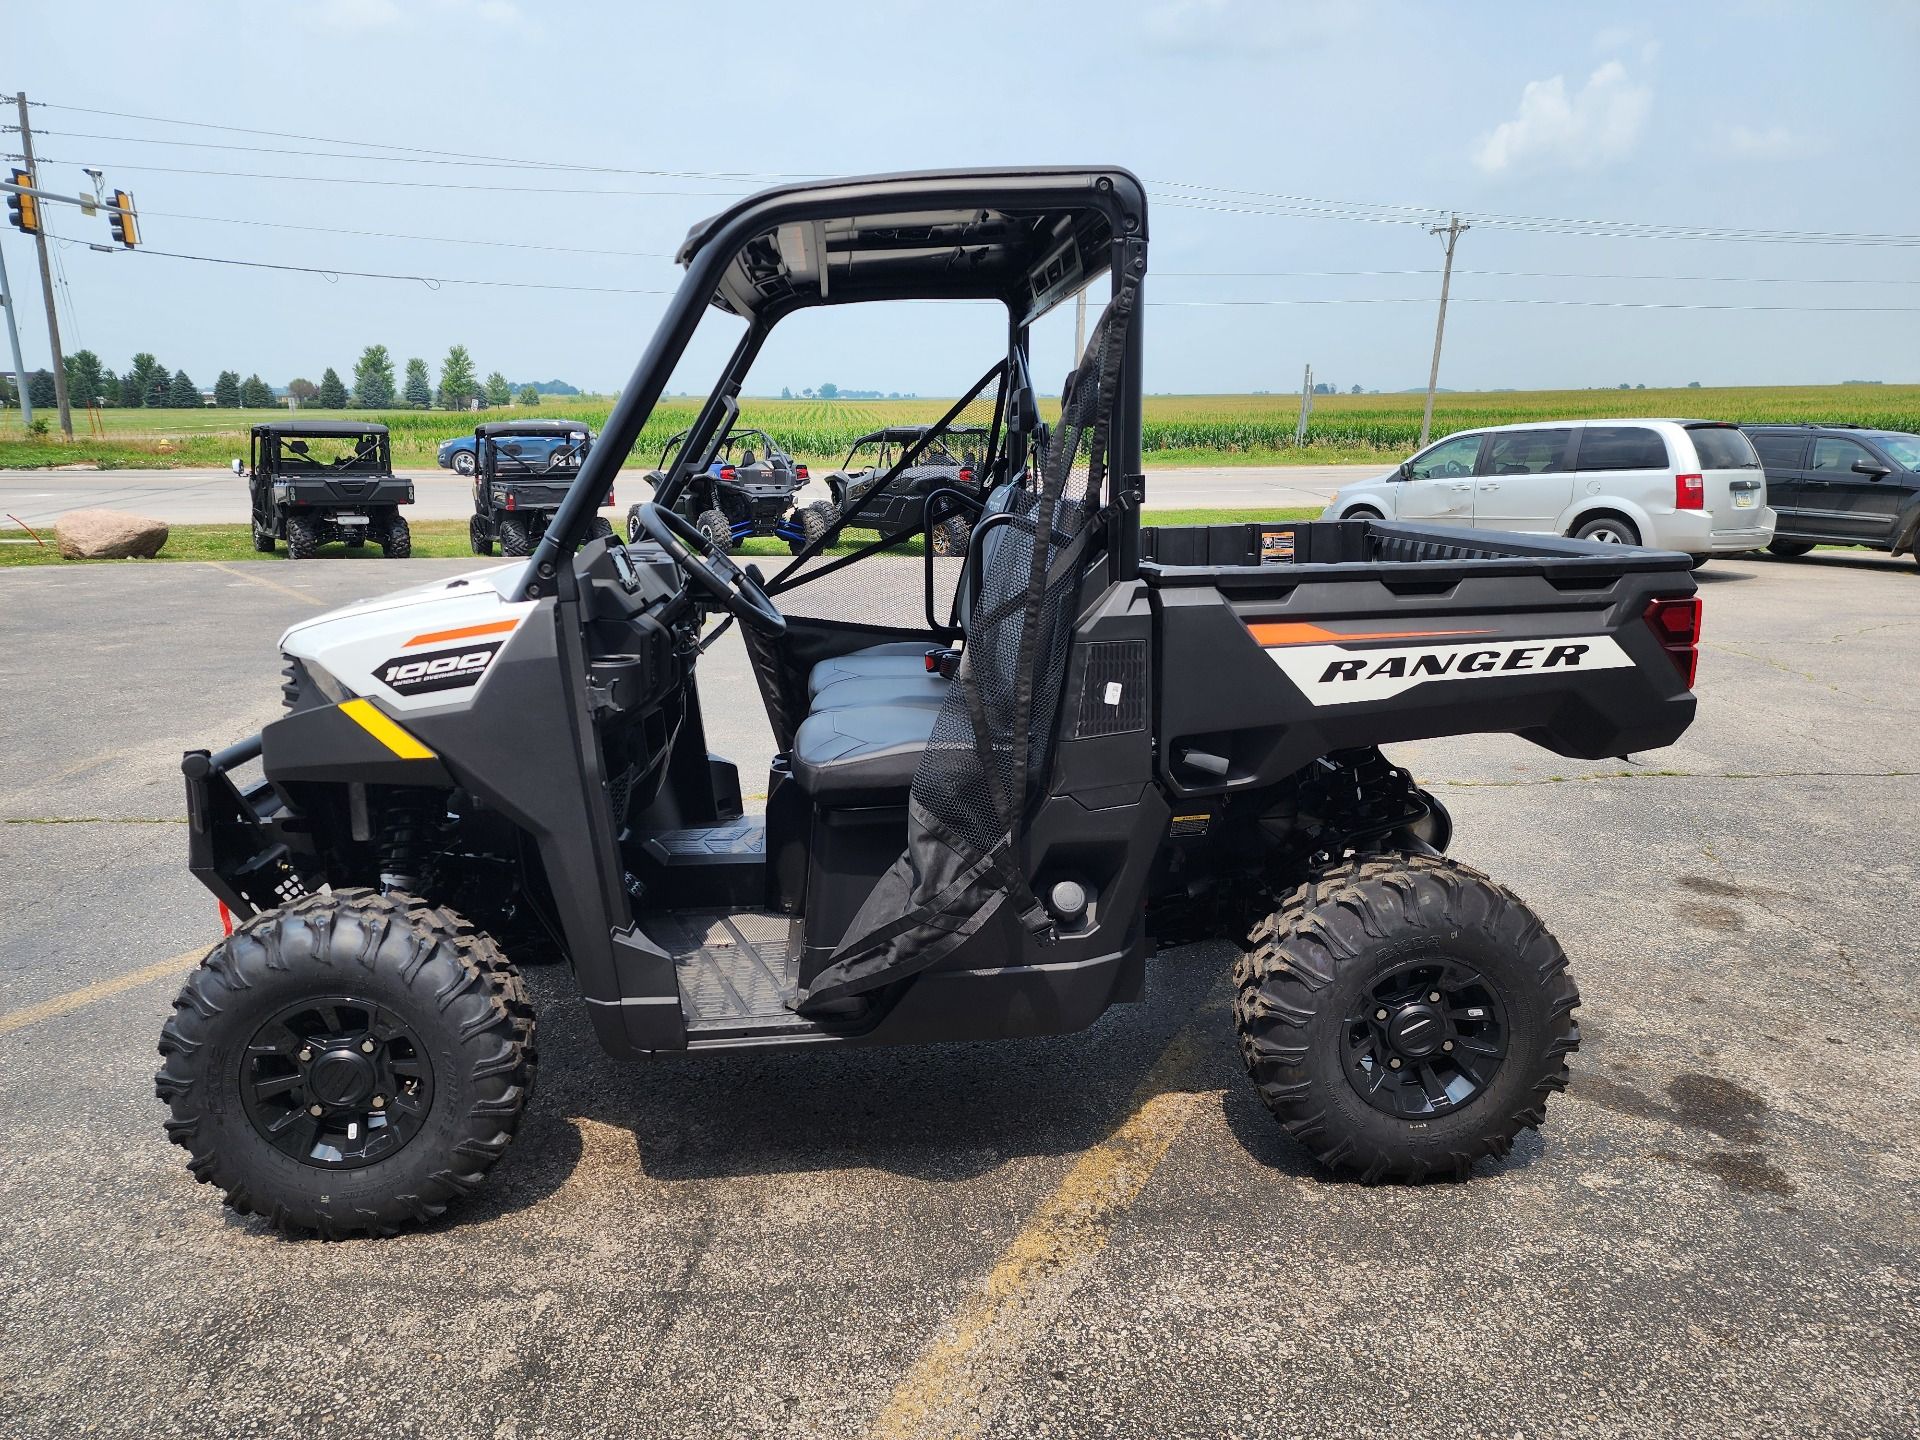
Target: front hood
(476,589)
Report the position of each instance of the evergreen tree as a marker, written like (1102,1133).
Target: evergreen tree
(529,396)
(255,393)
(109,388)
(333,395)
(226,390)
(8,395)
(40,389)
(419,391)
(373,379)
(137,387)
(457,382)
(499,392)
(303,390)
(84,378)
(182,393)
(159,388)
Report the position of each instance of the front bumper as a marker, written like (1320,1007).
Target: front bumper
(239,841)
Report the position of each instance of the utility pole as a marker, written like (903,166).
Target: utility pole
(1453,230)
(46,283)
(1306,406)
(13,338)
(1080,325)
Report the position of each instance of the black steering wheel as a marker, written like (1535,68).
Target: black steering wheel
(696,553)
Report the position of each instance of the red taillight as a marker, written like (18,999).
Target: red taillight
(800,472)
(1676,624)
(727,472)
(612,504)
(512,502)
(966,474)
(1689,492)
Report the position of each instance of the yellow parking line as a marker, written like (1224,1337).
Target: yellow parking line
(270,584)
(100,989)
(945,1394)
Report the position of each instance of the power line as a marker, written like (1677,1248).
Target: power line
(432,282)
(1526,275)
(396,235)
(401,184)
(1524,300)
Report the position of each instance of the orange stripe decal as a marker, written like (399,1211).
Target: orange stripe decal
(1300,632)
(465,632)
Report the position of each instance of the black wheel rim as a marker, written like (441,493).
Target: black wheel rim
(336,1082)
(1427,1038)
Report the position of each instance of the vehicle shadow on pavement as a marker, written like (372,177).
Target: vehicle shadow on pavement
(942,1113)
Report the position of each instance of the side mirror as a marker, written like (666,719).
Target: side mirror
(1871,468)
(239,466)
(1405,470)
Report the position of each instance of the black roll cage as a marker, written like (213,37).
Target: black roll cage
(1028,238)
(266,441)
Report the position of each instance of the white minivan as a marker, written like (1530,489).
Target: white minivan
(1691,485)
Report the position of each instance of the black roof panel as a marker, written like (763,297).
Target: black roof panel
(320,427)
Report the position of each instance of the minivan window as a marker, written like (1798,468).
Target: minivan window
(1621,447)
(1527,452)
(1832,453)
(1721,447)
(1451,458)
(1781,452)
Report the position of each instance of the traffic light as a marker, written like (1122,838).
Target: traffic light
(126,225)
(23,210)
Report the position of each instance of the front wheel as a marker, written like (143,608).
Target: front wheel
(479,535)
(1403,1016)
(599,528)
(349,1064)
(950,536)
(718,529)
(464,463)
(1363,512)
(262,538)
(1789,549)
(815,521)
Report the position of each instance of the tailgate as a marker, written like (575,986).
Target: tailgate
(1267,666)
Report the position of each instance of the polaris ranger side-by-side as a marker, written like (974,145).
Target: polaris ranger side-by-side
(314,481)
(523,470)
(1001,782)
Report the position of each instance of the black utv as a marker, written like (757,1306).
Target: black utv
(915,461)
(1001,783)
(522,471)
(311,482)
(741,487)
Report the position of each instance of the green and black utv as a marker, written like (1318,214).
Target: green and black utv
(1002,781)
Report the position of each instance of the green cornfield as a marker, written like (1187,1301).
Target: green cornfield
(1178,429)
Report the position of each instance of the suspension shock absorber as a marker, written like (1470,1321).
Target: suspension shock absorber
(412,824)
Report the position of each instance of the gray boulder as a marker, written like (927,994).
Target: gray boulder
(108,535)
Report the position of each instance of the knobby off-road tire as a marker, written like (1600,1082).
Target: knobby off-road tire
(303,537)
(396,542)
(479,536)
(599,527)
(515,539)
(814,521)
(262,538)
(402,967)
(951,535)
(1318,971)
(718,529)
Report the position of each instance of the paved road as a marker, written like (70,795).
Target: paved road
(201,497)
(1098,1235)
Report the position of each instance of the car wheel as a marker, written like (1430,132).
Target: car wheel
(303,537)
(515,539)
(1789,549)
(464,462)
(1363,512)
(1608,530)
(1699,560)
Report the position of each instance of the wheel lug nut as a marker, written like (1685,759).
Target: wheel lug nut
(1446,1044)
(306,1054)
(1380,1014)
(1394,1064)
(366,1047)
(1434,998)
(317,1112)
(379,1102)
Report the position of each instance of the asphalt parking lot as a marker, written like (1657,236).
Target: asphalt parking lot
(1103,1234)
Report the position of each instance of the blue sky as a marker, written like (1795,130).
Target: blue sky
(1735,115)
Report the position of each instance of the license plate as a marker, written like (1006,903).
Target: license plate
(1743,499)
(350,519)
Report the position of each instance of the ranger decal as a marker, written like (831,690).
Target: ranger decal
(1336,675)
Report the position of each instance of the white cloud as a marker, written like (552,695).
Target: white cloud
(1747,142)
(1596,125)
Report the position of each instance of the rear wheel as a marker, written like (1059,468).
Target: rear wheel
(1789,549)
(599,528)
(717,528)
(262,538)
(480,535)
(515,539)
(396,541)
(348,1064)
(303,537)
(1403,1016)
(950,536)
(1608,530)
(815,521)
(633,526)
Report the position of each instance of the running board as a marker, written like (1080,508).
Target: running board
(738,972)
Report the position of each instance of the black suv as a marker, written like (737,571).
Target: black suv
(1841,485)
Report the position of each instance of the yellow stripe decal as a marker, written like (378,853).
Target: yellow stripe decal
(376,724)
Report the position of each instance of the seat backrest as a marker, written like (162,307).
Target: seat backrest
(987,540)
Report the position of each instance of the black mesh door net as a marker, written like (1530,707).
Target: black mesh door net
(989,750)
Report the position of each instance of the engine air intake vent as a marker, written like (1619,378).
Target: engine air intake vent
(1113,689)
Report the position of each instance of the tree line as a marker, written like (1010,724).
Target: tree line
(149,384)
